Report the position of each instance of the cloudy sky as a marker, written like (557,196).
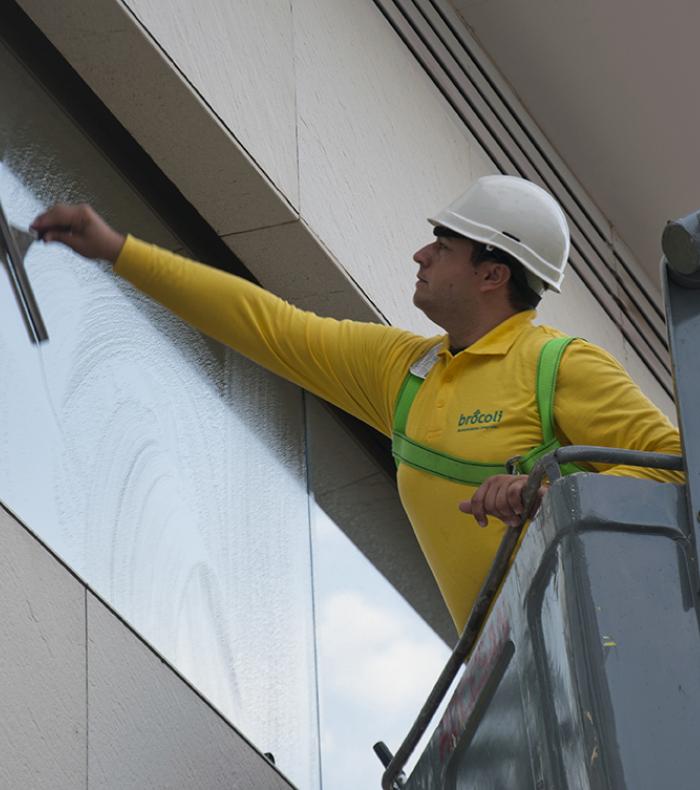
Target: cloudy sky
(377,661)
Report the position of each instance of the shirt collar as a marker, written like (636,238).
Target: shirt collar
(500,339)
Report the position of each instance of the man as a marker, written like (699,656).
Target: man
(472,401)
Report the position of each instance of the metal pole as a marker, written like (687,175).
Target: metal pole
(468,637)
(680,277)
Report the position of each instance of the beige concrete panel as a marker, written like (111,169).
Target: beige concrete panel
(42,666)
(150,729)
(648,272)
(632,359)
(379,149)
(292,262)
(364,503)
(637,365)
(239,58)
(576,312)
(118,59)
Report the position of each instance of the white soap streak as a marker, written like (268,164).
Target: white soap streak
(47,389)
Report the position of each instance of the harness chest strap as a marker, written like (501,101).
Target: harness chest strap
(427,459)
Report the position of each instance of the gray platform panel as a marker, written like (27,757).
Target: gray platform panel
(586,675)
(148,729)
(42,666)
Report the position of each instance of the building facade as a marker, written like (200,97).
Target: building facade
(301,144)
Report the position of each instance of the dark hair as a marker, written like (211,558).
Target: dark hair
(520,295)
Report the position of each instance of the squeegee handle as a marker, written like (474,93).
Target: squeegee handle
(21,286)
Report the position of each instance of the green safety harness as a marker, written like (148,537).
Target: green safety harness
(474,473)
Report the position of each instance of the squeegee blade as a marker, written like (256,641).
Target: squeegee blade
(14,260)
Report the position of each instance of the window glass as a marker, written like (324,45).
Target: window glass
(167,471)
(378,659)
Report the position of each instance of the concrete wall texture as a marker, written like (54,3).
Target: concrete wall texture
(86,703)
(307,135)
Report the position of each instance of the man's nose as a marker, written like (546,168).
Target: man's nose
(422,256)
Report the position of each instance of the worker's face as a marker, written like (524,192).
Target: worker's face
(447,279)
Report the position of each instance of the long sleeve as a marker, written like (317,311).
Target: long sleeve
(357,366)
(597,403)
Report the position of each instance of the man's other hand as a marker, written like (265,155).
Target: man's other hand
(80,228)
(500,496)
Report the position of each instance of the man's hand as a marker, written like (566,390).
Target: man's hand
(500,496)
(80,228)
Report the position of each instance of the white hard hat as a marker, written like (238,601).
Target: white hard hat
(518,217)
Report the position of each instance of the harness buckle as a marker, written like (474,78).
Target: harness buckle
(513,465)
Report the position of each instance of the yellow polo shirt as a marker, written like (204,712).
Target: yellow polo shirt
(478,405)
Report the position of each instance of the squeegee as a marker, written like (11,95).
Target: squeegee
(14,244)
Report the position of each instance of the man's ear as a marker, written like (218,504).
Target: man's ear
(496,275)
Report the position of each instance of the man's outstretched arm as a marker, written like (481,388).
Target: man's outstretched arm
(357,366)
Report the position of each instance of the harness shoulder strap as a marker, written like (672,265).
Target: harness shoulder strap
(411,384)
(545,389)
(546,383)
